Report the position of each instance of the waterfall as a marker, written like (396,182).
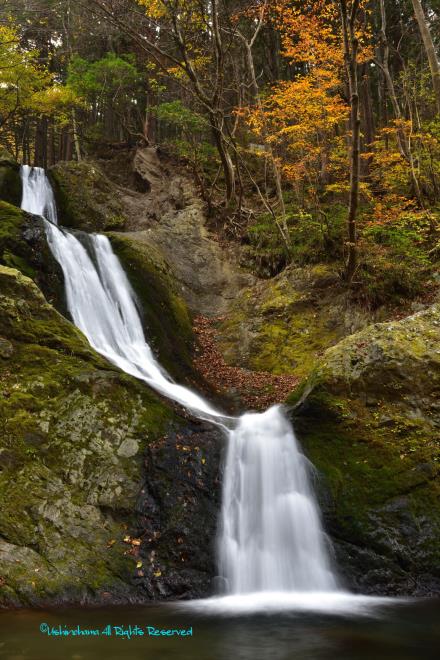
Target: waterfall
(271,537)
(38,197)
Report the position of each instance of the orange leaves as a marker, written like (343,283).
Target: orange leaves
(299,118)
(311,32)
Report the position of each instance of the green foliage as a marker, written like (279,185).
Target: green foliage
(111,77)
(383,277)
(408,237)
(313,238)
(110,87)
(188,133)
(396,258)
(178,115)
(266,252)
(316,237)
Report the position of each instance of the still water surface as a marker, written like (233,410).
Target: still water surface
(401,631)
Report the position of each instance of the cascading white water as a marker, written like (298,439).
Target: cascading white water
(38,197)
(100,298)
(271,536)
(272,539)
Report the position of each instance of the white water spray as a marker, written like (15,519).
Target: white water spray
(271,536)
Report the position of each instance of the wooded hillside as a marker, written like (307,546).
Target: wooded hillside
(311,128)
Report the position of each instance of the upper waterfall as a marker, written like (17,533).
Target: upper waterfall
(38,197)
(271,537)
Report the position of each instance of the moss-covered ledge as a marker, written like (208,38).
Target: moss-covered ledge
(369,419)
(282,325)
(166,319)
(73,434)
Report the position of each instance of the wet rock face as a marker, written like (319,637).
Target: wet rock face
(23,245)
(178,509)
(10,182)
(369,419)
(85,198)
(170,217)
(74,430)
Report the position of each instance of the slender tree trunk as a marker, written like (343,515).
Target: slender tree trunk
(275,168)
(367,115)
(225,158)
(403,142)
(429,48)
(75,136)
(351,46)
(367,106)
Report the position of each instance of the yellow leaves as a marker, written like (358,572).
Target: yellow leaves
(176,72)
(132,541)
(154,8)
(57,101)
(27,85)
(21,76)
(189,14)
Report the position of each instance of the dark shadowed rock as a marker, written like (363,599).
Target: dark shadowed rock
(178,509)
(10,181)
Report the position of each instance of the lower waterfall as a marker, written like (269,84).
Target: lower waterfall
(271,538)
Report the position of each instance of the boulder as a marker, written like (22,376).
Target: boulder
(10,181)
(76,459)
(368,417)
(282,325)
(85,197)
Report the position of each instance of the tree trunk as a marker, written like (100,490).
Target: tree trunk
(351,46)
(402,141)
(429,48)
(75,136)
(226,161)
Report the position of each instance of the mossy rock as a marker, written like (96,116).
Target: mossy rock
(10,181)
(74,430)
(283,325)
(166,320)
(368,418)
(85,198)
(23,246)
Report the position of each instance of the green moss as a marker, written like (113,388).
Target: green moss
(282,325)
(368,419)
(10,181)
(11,221)
(85,197)
(165,315)
(14,251)
(68,485)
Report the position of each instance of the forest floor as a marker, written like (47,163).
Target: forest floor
(257,390)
